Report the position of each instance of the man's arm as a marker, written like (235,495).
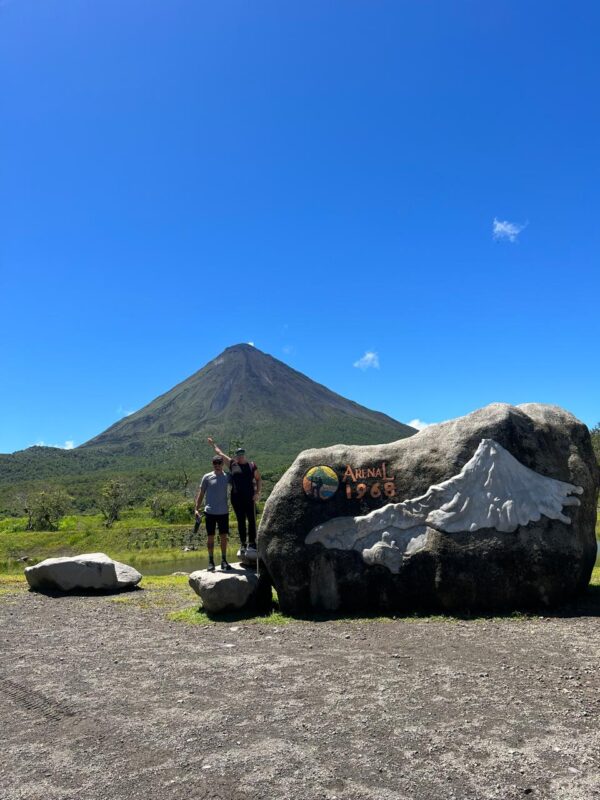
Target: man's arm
(198,502)
(258,480)
(219,452)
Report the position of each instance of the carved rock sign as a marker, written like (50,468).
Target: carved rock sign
(491,511)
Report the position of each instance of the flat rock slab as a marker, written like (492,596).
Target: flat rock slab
(249,557)
(238,588)
(88,571)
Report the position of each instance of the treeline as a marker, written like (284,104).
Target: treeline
(169,499)
(45,509)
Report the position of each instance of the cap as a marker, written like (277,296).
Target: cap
(240,451)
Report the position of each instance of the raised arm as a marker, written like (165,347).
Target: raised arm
(219,452)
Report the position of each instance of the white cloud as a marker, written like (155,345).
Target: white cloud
(368,361)
(503,229)
(68,445)
(122,412)
(251,344)
(287,349)
(419,424)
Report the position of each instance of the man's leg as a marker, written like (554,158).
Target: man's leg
(240,515)
(251,513)
(223,531)
(210,544)
(210,522)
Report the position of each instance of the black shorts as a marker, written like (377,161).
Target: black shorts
(212,520)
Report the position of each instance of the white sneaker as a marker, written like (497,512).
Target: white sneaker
(241,552)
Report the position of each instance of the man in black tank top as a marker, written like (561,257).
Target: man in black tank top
(245,493)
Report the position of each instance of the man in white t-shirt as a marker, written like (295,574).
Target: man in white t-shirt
(213,490)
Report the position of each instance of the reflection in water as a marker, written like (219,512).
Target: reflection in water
(174,565)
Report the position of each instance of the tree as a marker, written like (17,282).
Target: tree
(21,503)
(44,509)
(234,444)
(596,441)
(183,480)
(114,496)
(161,502)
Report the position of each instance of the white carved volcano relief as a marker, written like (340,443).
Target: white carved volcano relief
(492,490)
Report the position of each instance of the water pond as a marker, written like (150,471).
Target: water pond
(173,565)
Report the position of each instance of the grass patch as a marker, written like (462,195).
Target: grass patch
(12,577)
(158,592)
(195,615)
(11,585)
(198,616)
(164,582)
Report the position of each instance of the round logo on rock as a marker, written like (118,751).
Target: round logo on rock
(320,483)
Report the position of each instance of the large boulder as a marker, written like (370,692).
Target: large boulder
(238,588)
(88,571)
(489,512)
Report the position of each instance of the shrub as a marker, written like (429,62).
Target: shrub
(46,508)
(171,507)
(181,512)
(14,525)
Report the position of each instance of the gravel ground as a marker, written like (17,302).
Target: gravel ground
(105,698)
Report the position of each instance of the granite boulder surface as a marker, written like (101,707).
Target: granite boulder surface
(89,571)
(490,512)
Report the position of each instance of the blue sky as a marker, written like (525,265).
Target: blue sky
(323,179)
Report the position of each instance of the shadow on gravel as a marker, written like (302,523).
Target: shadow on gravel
(586,606)
(57,593)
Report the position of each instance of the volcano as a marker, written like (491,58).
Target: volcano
(248,396)
(243,396)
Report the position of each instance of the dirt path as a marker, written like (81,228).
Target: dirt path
(110,700)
